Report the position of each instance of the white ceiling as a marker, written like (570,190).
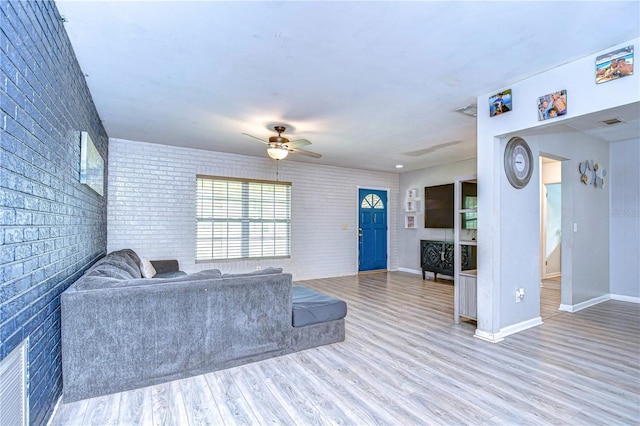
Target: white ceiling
(371,84)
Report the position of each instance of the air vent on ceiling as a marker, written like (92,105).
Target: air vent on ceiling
(471,110)
(612,121)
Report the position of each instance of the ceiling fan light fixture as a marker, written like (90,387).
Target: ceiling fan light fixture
(277,153)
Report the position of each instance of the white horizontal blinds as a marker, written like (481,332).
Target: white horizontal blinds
(13,387)
(242,219)
(269,221)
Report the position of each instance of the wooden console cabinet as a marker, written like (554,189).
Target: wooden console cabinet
(438,257)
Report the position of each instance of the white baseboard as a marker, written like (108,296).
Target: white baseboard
(508,331)
(585,304)
(565,308)
(521,326)
(625,298)
(489,337)
(411,271)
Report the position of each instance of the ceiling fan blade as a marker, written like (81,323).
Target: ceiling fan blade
(298,143)
(303,152)
(255,137)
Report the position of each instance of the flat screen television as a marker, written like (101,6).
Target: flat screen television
(438,206)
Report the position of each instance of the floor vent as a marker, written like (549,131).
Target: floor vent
(13,387)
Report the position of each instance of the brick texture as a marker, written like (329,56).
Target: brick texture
(152,192)
(53,227)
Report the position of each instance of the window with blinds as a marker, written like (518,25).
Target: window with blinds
(242,218)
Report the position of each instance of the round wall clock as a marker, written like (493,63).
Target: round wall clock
(518,162)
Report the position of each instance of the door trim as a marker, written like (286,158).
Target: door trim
(357,216)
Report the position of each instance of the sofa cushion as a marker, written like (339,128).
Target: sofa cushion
(126,261)
(128,254)
(120,263)
(147,269)
(130,258)
(266,271)
(312,307)
(99,282)
(213,273)
(94,282)
(107,271)
(173,274)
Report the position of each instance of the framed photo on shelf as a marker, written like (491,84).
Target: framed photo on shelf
(410,222)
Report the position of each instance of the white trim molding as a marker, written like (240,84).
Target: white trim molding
(410,271)
(508,331)
(489,337)
(624,298)
(521,326)
(585,304)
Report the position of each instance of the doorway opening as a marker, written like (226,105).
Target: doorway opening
(550,236)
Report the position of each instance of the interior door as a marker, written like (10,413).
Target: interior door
(372,233)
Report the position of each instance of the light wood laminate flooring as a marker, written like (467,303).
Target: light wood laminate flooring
(404,362)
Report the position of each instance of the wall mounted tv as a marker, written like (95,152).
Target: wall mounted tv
(438,206)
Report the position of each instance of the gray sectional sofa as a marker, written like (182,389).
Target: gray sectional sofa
(121,331)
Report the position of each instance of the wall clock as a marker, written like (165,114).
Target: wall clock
(518,162)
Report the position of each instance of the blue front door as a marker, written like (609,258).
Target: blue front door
(372,233)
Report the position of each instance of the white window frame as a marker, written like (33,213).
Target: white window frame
(242,219)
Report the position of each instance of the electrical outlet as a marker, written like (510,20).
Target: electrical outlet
(519,295)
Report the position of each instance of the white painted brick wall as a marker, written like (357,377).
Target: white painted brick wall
(151,207)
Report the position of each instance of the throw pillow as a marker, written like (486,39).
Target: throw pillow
(147,269)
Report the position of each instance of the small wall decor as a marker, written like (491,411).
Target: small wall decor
(500,103)
(614,65)
(410,222)
(412,202)
(552,105)
(592,174)
(411,205)
(91,164)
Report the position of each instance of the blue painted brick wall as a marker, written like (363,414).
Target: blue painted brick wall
(53,227)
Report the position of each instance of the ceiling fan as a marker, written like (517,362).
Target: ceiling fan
(279,146)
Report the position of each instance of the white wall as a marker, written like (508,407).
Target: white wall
(152,207)
(409,239)
(585,263)
(625,220)
(508,219)
(551,172)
